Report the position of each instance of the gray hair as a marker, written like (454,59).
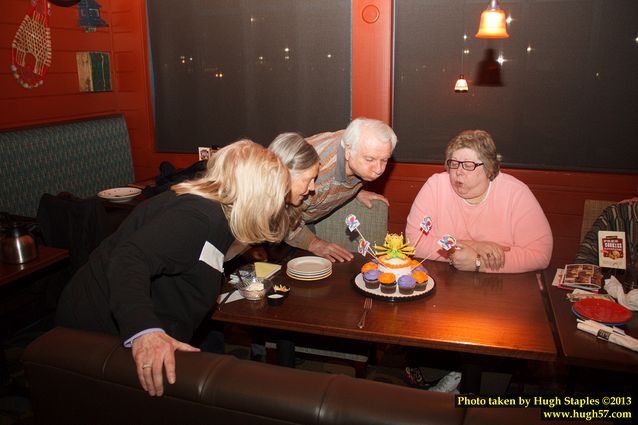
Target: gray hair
(380,130)
(293,150)
(481,142)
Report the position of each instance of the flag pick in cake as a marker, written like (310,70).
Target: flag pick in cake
(426,226)
(352,222)
(364,246)
(447,242)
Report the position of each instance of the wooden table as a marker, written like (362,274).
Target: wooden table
(581,348)
(493,314)
(47,256)
(12,272)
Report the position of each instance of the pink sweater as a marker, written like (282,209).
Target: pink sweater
(510,216)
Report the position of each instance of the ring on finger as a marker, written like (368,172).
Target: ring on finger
(146,366)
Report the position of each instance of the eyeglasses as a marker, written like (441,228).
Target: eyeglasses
(467,165)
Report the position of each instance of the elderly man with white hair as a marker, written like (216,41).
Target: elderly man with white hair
(348,158)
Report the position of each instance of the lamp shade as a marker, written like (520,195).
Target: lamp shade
(493,23)
(461,85)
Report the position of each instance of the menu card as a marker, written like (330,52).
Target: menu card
(582,276)
(612,250)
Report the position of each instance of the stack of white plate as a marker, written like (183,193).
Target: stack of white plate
(309,268)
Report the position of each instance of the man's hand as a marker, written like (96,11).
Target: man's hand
(366,197)
(329,250)
(152,352)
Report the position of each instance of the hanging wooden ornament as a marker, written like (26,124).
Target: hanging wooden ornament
(31,46)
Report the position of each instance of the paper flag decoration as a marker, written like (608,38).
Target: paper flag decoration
(426,224)
(447,242)
(352,222)
(364,246)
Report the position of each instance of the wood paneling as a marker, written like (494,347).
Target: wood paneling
(561,194)
(372,59)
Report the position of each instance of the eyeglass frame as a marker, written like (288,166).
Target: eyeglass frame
(449,163)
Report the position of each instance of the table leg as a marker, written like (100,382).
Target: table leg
(285,353)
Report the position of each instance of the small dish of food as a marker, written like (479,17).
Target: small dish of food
(282,290)
(275,298)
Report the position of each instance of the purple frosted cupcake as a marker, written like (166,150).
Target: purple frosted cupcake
(371,278)
(406,284)
(420,269)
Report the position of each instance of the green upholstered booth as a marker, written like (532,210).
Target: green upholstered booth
(80,157)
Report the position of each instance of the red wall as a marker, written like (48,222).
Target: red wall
(560,193)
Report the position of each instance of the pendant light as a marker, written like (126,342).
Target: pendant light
(461,85)
(493,22)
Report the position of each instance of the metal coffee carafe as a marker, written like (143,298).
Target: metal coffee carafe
(17,245)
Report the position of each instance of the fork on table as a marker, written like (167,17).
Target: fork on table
(367,305)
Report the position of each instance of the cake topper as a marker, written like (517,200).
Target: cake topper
(394,247)
(447,242)
(364,246)
(352,222)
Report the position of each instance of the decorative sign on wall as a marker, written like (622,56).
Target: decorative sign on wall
(94,71)
(31,46)
(90,19)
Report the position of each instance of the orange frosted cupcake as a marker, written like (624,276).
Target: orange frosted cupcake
(388,283)
(421,280)
(369,266)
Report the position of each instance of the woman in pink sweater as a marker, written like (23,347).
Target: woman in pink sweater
(497,222)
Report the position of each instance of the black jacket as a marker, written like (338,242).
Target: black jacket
(161,269)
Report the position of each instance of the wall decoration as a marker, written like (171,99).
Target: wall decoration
(31,46)
(94,71)
(64,3)
(90,19)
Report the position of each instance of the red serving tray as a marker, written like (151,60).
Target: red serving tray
(603,311)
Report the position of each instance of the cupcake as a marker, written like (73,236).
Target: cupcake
(421,279)
(420,269)
(406,284)
(388,283)
(371,278)
(369,266)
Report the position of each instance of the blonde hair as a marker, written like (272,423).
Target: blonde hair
(251,185)
(480,142)
(298,156)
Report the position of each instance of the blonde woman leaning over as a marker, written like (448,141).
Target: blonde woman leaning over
(155,279)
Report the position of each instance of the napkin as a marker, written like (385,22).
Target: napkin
(265,270)
(615,289)
(234,297)
(615,335)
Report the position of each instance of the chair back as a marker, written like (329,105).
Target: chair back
(591,211)
(374,224)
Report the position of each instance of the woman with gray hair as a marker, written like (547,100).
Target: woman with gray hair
(497,222)
(302,161)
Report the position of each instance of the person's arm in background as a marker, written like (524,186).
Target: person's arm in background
(302,237)
(588,250)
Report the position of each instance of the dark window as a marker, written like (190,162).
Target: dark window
(569,93)
(226,69)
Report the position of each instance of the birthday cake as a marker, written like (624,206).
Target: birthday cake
(394,258)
